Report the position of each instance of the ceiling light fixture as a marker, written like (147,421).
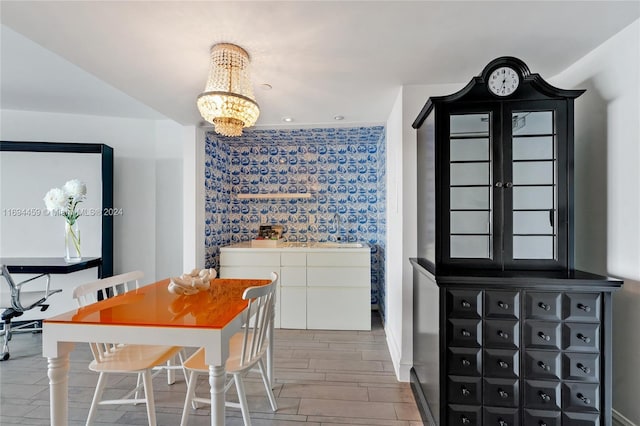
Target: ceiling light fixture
(227,101)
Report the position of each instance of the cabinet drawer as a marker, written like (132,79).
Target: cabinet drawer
(581,337)
(581,397)
(250,259)
(580,419)
(501,417)
(338,277)
(464,390)
(252,272)
(463,415)
(292,276)
(463,361)
(334,259)
(501,392)
(464,303)
(576,366)
(501,304)
(582,306)
(542,335)
(542,418)
(339,308)
(542,394)
(464,332)
(542,365)
(502,363)
(293,259)
(503,334)
(540,305)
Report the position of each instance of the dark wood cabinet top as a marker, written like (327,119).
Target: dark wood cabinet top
(47,265)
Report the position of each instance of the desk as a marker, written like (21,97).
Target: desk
(153,316)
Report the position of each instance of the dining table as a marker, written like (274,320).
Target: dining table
(151,315)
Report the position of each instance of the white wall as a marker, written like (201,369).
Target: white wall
(402,225)
(144,236)
(193,198)
(607,201)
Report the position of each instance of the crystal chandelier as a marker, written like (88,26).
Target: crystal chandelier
(227,101)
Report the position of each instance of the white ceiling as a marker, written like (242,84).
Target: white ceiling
(322,58)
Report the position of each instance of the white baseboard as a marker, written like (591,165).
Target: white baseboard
(620,420)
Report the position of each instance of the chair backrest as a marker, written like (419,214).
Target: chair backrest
(86,294)
(258,319)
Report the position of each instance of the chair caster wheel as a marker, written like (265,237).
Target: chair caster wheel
(5,356)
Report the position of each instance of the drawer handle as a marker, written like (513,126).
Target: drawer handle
(544,336)
(542,423)
(544,397)
(465,420)
(465,391)
(503,334)
(544,366)
(501,422)
(584,399)
(465,304)
(585,308)
(503,305)
(544,306)
(465,333)
(503,394)
(584,368)
(503,364)
(584,338)
(465,362)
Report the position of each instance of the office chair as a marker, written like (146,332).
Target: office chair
(17,302)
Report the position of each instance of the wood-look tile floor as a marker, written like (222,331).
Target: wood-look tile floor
(323,378)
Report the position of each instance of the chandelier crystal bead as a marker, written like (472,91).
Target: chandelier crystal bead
(228,101)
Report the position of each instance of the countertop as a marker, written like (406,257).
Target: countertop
(296,246)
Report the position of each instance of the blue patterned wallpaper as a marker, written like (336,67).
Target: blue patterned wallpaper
(344,170)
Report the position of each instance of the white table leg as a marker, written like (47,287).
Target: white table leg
(58,373)
(216,381)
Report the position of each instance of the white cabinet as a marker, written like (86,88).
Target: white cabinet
(318,289)
(293,290)
(338,291)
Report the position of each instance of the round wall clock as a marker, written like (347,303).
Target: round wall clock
(503,81)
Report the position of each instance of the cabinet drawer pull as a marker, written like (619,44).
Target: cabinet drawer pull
(503,305)
(544,397)
(585,308)
(542,423)
(503,394)
(508,185)
(465,391)
(544,366)
(584,368)
(503,334)
(501,422)
(465,362)
(584,338)
(498,184)
(465,304)
(584,399)
(465,420)
(544,306)
(544,336)
(503,364)
(465,333)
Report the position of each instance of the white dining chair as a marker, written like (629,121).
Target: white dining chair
(247,348)
(122,358)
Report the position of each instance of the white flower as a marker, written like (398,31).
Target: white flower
(55,200)
(75,190)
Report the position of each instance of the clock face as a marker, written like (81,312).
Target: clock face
(503,81)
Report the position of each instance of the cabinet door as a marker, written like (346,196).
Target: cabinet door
(534,135)
(471,213)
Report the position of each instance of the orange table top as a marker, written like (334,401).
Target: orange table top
(153,305)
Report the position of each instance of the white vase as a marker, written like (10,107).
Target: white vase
(72,242)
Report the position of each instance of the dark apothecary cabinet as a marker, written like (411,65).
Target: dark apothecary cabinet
(506,331)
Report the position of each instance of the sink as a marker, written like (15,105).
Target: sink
(338,245)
